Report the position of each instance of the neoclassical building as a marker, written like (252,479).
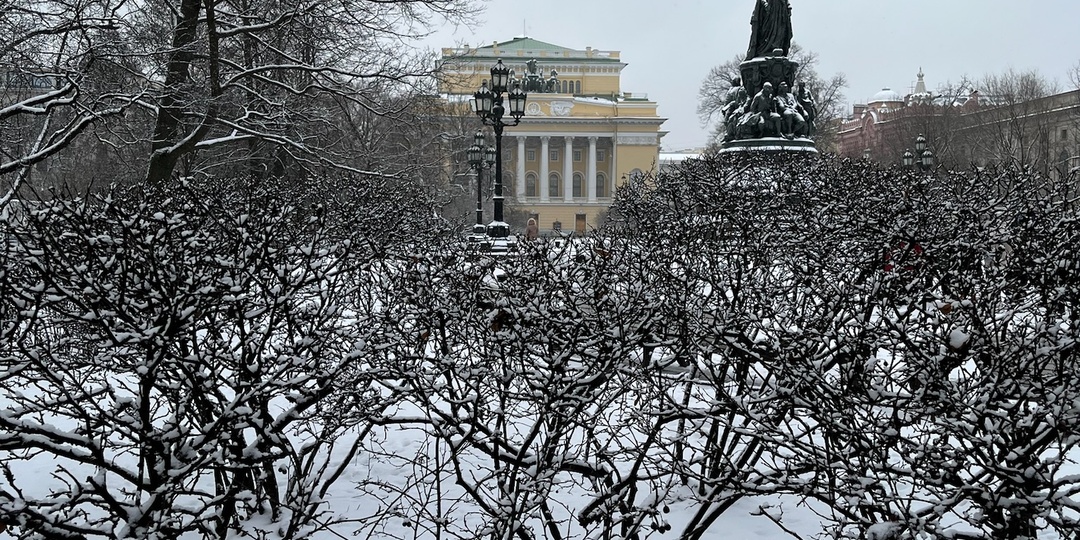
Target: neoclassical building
(581,135)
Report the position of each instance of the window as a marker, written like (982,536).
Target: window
(579,180)
(553,155)
(554,186)
(530,155)
(601,155)
(601,186)
(577,156)
(530,185)
(1064,135)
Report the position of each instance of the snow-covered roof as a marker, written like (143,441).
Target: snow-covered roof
(671,159)
(886,95)
(679,156)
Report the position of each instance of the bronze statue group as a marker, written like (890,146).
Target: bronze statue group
(773,111)
(770,113)
(534,83)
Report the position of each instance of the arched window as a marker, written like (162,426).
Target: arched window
(602,186)
(554,186)
(531,189)
(579,182)
(577,87)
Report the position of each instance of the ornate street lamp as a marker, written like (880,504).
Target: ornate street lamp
(907,159)
(480,156)
(927,160)
(489,106)
(922,156)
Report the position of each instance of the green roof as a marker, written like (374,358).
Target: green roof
(540,50)
(527,44)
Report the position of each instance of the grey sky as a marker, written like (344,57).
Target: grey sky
(670,45)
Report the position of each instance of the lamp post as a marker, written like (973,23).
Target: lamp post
(922,156)
(480,156)
(488,104)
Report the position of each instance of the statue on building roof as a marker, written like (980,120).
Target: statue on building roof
(533,81)
(770,28)
(553,83)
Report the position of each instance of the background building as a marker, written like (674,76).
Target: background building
(1011,121)
(581,137)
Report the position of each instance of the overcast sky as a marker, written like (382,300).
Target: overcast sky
(670,45)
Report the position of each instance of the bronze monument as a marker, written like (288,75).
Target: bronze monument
(764,114)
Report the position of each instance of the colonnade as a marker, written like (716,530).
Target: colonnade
(566,168)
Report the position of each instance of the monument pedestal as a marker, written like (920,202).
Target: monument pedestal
(772,69)
(769,144)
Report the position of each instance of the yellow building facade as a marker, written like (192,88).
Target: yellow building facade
(581,136)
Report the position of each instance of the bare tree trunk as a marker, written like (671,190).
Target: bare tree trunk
(171,110)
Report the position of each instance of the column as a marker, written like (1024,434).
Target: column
(612,171)
(590,175)
(614,178)
(568,170)
(544,173)
(520,184)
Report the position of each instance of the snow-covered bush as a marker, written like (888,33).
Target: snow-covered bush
(186,361)
(892,352)
(897,346)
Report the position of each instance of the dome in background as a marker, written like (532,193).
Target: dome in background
(886,95)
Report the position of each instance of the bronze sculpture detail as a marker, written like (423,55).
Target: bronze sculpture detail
(770,28)
(534,83)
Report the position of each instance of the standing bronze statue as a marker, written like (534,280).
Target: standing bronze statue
(770,28)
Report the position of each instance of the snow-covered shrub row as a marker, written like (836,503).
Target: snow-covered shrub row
(889,353)
(184,361)
(911,337)
(876,353)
